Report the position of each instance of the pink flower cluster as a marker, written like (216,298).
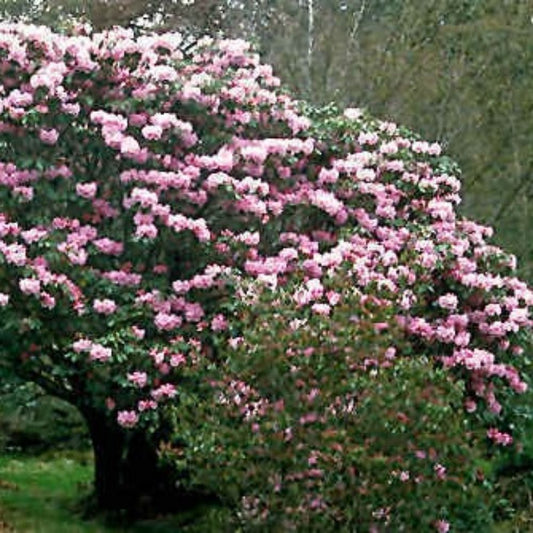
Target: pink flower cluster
(105,307)
(96,351)
(499,437)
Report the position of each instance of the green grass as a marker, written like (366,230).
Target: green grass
(42,495)
(45,495)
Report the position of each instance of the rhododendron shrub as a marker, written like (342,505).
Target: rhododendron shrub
(142,188)
(315,421)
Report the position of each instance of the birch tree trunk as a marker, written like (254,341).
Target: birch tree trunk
(310,43)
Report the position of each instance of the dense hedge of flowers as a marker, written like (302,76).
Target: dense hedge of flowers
(146,192)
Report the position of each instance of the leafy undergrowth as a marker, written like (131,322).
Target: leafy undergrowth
(47,494)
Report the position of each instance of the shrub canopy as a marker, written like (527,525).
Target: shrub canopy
(147,190)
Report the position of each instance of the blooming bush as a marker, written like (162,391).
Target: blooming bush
(314,423)
(145,192)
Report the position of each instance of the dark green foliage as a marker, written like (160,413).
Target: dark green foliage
(33,422)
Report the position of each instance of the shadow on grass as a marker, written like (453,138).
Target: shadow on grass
(52,494)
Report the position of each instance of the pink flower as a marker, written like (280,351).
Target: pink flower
(193,312)
(165,321)
(30,286)
(333,297)
(462,339)
(4,299)
(106,307)
(138,332)
(47,300)
(177,359)
(163,73)
(109,247)
(517,350)
(71,109)
(82,345)
(326,201)
(49,136)
(138,378)
(321,309)
(404,476)
(145,405)
(129,147)
(519,315)
(389,148)
(499,437)
(312,268)
(442,526)
(368,138)
(99,353)
(353,113)
(122,278)
(33,235)
(493,310)
(390,352)
(110,404)
(164,120)
(235,342)
(146,198)
(86,190)
(449,301)
(440,471)
(164,391)
(127,419)
(152,133)
(315,289)
(138,119)
(219,323)
(420,147)
(434,149)
(146,230)
(24,192)
(470,405)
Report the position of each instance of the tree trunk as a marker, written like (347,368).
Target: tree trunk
(126,473)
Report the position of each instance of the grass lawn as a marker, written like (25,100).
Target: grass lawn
(45,494)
